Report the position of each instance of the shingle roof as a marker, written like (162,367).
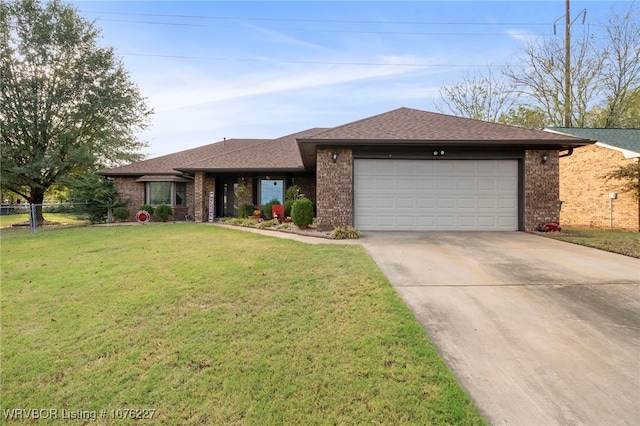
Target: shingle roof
(293,152)
(406,124)
(280,154)
(628,139)
(412,127)
(166,164)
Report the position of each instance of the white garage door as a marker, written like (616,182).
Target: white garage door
(425,195)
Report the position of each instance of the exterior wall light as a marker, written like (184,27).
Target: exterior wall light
(334,156)
(545,157)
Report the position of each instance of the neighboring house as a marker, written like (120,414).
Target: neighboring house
(402,170)
(586,193)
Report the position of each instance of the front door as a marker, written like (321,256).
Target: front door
(226,200)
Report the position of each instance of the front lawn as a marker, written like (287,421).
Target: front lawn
(62,218)
(205,325)
(627,243)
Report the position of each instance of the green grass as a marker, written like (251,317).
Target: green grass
(208,325)
(627,243)
(62,218)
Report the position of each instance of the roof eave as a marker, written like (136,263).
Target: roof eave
(309,146)
(107,173)
(627,153)
(243,169)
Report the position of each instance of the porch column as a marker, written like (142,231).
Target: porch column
(541,189)
(199,202)
(334,188)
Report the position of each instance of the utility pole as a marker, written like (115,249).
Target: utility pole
(567,61)
(567,58)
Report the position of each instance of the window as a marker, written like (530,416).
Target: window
(166,192)
(181,194)
(270,189)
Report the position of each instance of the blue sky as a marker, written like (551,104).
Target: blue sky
(214,70)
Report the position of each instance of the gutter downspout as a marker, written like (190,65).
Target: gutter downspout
(569,152)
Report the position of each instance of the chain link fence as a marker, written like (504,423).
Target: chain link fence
(33,211)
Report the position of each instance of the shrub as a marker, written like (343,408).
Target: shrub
(243,195)
(284,226)
(257,213)
(345,233)
(302,212)
(121,213)
(293,193)
(287,207)
(163,211)
(267,224)
(245,211)
(267,208)
(236,221)
(147,208)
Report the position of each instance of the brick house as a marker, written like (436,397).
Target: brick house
(586,194)
(402,170)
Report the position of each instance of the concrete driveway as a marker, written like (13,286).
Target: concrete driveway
(538,331)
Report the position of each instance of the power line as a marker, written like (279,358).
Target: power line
(333,21)
(336,31)
(285,61)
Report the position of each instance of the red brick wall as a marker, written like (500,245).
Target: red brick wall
(586,193)
(203,184)
(129,189)
(541,194)
(334,189)
(307,186)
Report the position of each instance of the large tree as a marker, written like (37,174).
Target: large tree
(481,96)
(621,68)
(604,79)
(67,105)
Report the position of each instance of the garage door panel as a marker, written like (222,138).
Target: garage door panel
(468,222)
(507,185)
(426,185)
(445,221)
(404,184)
(507,221)
(384,203)
(487,203)
(466,203)
(446,203)
(445,168)
(507,203)
(487,221)
(406,203)
(425,222)
(466,184)
(425,204)
(487,184)
(436,194)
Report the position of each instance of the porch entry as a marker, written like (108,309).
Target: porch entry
(226,203)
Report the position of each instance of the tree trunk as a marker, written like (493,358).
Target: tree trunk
(37,199)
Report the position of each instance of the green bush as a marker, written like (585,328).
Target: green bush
(245,211)
(287,207)
(267,224)
(163,211)
(293,193)
(240,222)
(147,208)
(345,233)
(121,213)
(243,195)
(267,208)
(302,212)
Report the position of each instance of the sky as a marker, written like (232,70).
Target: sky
(213,70)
